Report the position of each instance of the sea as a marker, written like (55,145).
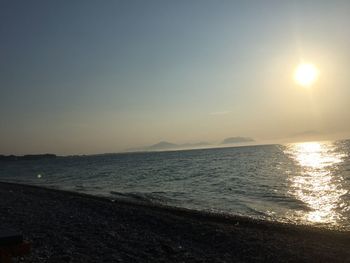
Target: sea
(300,183)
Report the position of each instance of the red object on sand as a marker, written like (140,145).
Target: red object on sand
(12,245)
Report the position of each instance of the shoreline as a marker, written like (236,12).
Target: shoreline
(67,226)
(216,217)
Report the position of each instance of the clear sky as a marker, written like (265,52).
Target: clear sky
(103,76)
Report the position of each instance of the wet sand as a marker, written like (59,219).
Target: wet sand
(71,227)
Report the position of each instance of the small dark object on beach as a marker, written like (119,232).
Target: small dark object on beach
(12,245)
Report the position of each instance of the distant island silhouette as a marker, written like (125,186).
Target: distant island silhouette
(232,140)
(164,145)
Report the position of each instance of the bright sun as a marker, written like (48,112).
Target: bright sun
(306,74)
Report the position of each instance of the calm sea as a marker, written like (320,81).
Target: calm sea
(302,183)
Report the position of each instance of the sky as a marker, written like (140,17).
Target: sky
(80,77)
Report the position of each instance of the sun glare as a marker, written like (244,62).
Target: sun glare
(306,74)
(318,185)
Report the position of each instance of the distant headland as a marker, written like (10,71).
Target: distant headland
(27,157)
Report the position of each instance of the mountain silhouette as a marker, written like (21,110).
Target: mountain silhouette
(232,140)
(164,145)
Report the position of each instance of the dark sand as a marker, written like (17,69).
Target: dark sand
(69,227)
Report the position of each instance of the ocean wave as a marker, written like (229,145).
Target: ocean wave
(152,198)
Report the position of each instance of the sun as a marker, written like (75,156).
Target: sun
(306,74)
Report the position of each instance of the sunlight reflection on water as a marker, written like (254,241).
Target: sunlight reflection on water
(318,185)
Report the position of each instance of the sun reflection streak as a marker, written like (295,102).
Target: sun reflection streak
(317,185)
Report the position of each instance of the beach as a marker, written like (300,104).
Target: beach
(71,227)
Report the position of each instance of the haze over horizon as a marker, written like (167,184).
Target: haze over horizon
(103,76)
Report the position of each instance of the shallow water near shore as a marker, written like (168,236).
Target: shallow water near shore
(301,183)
